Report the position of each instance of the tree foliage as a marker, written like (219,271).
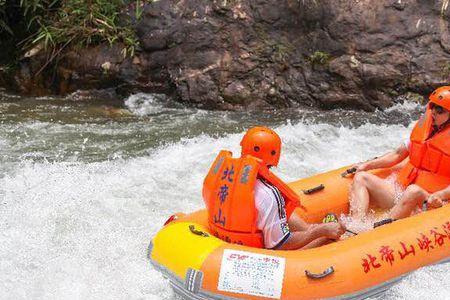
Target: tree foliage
(56,24)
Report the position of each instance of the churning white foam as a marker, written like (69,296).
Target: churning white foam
(143,104)
(81,230)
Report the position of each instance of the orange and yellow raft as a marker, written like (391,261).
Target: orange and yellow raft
(201,266)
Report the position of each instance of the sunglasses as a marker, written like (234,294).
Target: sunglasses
(438,109)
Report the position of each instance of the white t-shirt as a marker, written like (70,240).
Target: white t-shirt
(272,220)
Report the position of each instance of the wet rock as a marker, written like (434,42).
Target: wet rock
(380,75)
(155,40)
(236,93)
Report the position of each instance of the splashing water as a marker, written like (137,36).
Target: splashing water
(82,192)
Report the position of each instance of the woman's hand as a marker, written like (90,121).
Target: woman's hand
(363,166)
(332,230)
(436,199)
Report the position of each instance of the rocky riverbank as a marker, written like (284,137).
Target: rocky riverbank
(234,54)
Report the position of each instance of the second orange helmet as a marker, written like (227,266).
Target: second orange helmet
(441,97)
(263,143)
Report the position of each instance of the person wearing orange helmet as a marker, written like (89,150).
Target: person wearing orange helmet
(247,204)
(424,167)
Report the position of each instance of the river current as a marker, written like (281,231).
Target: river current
(85,184)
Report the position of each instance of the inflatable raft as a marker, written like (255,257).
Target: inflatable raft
(201,266)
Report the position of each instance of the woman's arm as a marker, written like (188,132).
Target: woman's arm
(388,160)
(324,232)
(296,223)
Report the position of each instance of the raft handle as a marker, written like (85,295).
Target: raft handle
(171,219)
(383,222)
(314,189)
(197,232)
(324,274)
(349,171)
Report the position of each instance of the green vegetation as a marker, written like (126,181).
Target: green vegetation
(3,23)
(56,24)
(281,51)
(319,58)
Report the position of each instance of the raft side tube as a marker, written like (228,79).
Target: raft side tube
(179,287)
(206,253)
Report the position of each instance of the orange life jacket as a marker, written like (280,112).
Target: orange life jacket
(429,158)
(229,195)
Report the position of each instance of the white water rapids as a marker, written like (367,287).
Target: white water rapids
(78,228)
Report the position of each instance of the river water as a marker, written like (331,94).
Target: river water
(84,184)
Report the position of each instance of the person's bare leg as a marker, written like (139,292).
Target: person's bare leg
(296,223)
(368,188)
(359,196)
(414,195)
(317,243)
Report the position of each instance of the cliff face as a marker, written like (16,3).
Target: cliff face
(255,53)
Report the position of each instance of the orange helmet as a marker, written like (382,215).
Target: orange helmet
(441,97)
(263,143)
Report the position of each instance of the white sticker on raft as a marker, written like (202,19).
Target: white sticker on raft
(251,273)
